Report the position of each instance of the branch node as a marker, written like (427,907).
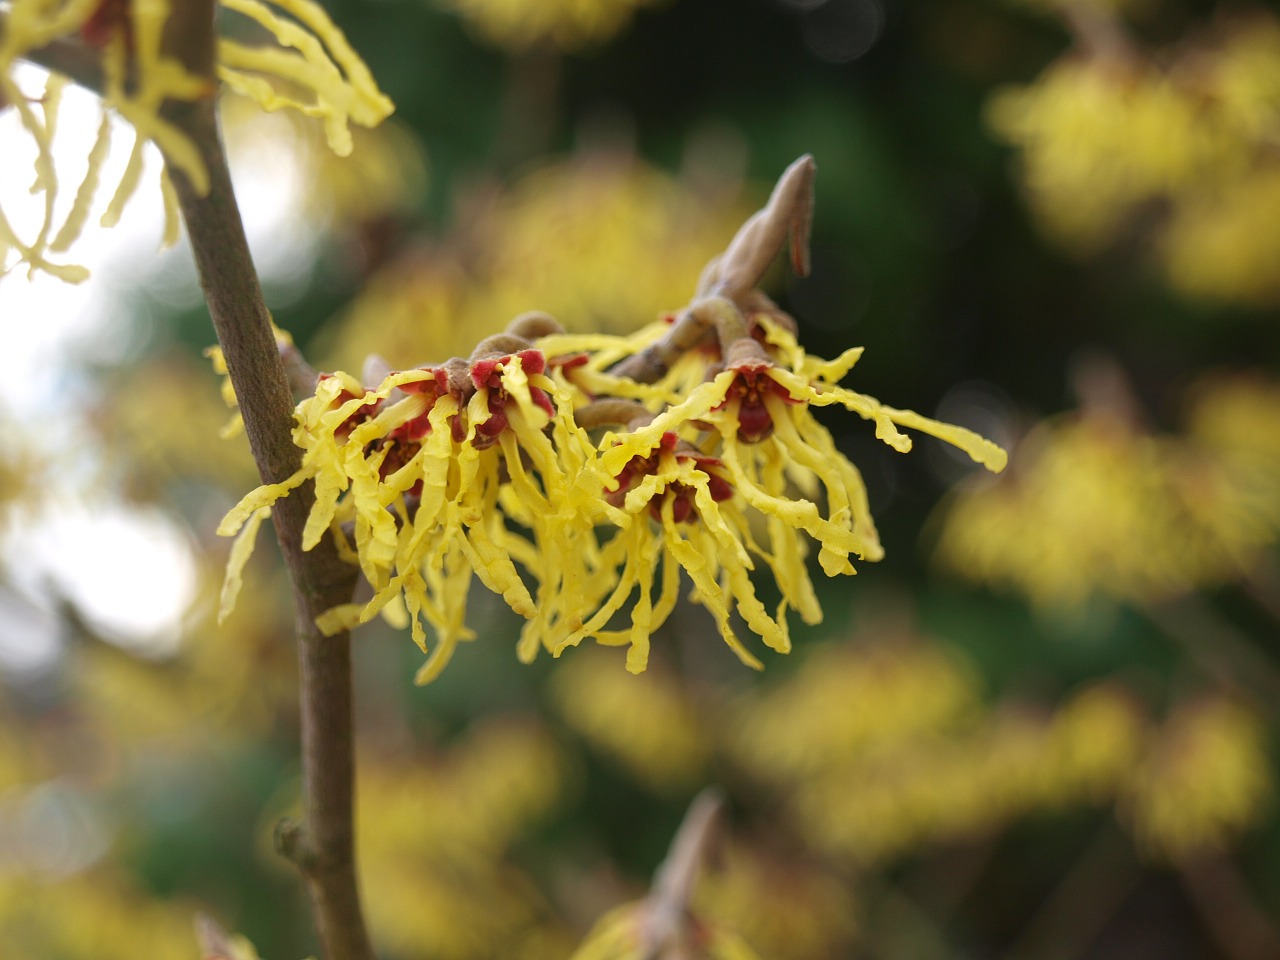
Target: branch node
(292,843)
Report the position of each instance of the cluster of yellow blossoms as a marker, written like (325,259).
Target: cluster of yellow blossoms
(1176,146)
(1095,506)
(883,749)
(601,465)
(596,239)
(310,68)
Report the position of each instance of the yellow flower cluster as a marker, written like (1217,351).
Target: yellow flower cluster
(311,69)
(442,885)
(1205,781)
(597,240)
(1100,138)
(781,907)
(1112,135)
(835,706)
(1095,507)
(651,726)
(873,787)
(24,473)
(478,465)
(567,24)
(98,915)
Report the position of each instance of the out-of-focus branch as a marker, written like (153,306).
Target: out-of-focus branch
(1241,928)
(1098,31)
(666,917)
(324,844)
(1222,650)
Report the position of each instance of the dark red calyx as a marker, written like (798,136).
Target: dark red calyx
(681,494)
(435,386)
(750,387)
(433,389)
(486,374)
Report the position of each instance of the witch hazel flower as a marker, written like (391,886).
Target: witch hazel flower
(584,477)
(415,478)
(122,50)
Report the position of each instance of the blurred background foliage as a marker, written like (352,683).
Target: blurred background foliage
(1043,727)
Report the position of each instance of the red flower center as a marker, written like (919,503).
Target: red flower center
(486,374)
(681,494)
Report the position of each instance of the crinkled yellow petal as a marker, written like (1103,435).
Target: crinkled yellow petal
(172,216)
(808,445)
(375,107)
(127,186)
(73,225)
(338,98)
(709,593)
(803,365)
(255,500)
(787,557)
(494,568)
(633,541)
(335,620)
(642,621)
(837,541)
(641,442)
(241,551)
(979,448)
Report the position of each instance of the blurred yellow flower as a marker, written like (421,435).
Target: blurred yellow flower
(1179,145)
(1237,418)
(440,884)
(621,935)
(1222,243)
(845,700)
(1098,138)
(151,452)
(783,908)
(601,241)
(1091,745)
(876,751)
(1206,779)
(885,802)
(239,680)
(1095,507)
(648,723)
(384,176)
(23,471)
(97,915)
(567,24)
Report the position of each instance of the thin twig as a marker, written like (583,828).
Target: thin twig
(1262,584)
(666,923)
(1221,649)
(1078,909)
(728,286)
